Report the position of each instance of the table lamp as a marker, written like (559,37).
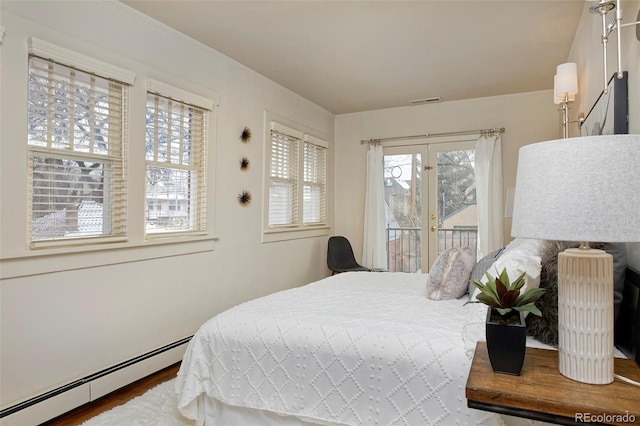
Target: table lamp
(584,189)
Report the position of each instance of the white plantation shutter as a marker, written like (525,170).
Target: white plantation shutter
(76,155)
(283,180)
(175,157)
(297,179)
(314,192)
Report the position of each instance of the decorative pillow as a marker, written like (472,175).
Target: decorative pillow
(520,255)
(482,266)
(619,253)
(545,328)
(449,275)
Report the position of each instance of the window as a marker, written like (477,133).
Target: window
(76,157)
(175,165)
(283,180)
(296,180)
(314,191)
(83,189)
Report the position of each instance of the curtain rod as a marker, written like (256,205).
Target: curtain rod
(435,135)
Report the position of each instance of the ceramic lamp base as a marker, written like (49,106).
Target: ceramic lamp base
(585,315)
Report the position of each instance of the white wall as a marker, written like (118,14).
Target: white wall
(527,118)
(58,326)
(67,316)
(586,52)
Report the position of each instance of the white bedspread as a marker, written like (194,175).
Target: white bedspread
(360,348)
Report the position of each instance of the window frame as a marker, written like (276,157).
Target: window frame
(133,246)
(317,146)
(303,136)
(113,161)
(201,105)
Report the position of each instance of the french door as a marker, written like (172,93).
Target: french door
(430,202)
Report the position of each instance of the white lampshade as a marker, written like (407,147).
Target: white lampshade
(583,189)
(566,81)
(559,97)
(579,189)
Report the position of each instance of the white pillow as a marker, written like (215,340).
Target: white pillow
(521,255)
(449,275)
(474,328)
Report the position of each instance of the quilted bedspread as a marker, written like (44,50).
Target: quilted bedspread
(359,348)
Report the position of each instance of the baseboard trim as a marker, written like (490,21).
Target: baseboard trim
(90,378)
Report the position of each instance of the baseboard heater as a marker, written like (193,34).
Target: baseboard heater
(43,398)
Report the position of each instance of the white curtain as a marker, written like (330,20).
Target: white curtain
(488,169)
(374,245)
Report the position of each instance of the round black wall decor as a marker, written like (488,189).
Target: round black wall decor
(245,136)
(244,198)
(244,164)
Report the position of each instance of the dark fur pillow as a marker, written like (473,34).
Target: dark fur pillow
(545,328)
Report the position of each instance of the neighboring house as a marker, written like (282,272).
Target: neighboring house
(465,217)
(459,228)
(403,237)
(397,192)
(162,210)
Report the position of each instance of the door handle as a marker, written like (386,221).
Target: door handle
(433,228)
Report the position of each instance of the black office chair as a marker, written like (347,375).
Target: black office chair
(340,256)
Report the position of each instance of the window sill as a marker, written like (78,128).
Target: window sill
(294,233)
(36,262)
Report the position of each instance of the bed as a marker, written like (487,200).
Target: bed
(358,348)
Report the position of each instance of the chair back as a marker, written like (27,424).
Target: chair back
(340,254)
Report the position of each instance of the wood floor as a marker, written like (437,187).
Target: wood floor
(119,397)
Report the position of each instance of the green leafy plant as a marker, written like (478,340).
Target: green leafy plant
(504,296)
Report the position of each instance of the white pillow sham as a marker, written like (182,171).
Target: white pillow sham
(520,255)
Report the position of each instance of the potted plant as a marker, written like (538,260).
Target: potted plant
(506,331)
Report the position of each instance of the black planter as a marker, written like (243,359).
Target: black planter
(506,344)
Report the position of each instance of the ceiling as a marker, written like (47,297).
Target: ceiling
(350,56)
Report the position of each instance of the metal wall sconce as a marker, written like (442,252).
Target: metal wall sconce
(565,88)
(602,8)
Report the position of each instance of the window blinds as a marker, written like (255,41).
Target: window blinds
(175,145)
(283,180)
(314,193)
(297,178)
(75,153)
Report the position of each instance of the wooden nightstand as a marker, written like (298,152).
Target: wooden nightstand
(542,393)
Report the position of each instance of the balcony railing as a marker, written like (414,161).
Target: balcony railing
(404,248)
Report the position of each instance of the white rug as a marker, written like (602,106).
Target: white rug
(157,407)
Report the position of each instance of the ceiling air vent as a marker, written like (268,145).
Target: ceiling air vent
(425,101)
